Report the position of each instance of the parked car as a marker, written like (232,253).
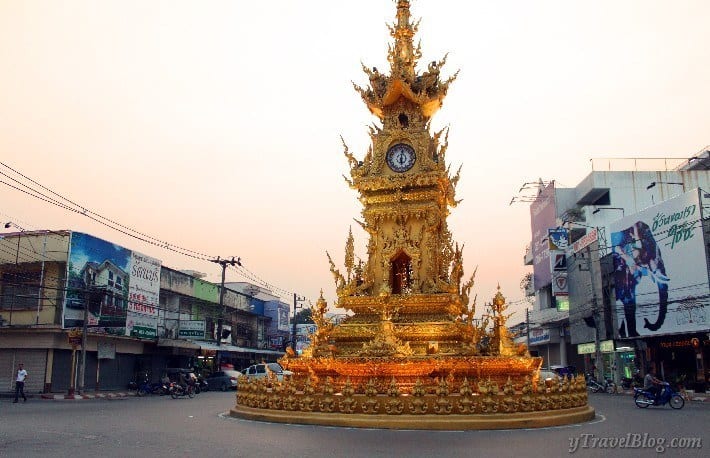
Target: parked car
(564,371)
(223,380)
(261,370)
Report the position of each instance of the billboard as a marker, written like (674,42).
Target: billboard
(660,269)
(120,286)
(143,291)
(543,216)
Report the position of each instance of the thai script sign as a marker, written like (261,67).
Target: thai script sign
(660,269)
(194,329)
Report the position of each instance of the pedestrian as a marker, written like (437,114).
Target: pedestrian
(20,383)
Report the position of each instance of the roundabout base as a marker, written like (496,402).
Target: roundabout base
(541,419)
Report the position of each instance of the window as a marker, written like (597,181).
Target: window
(260,369)
(20,290)
(110,279)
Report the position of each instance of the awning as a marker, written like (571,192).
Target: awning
(235,349)
(178,343)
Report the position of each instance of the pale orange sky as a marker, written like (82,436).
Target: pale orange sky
(215,125)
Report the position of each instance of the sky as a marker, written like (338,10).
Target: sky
(215,125)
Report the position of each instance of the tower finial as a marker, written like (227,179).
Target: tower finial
(403,57)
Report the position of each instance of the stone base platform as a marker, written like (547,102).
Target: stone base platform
(540,419)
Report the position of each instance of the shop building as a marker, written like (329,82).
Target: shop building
(631,272)
(141,317)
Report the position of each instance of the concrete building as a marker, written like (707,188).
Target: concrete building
(584,315)
(141,317)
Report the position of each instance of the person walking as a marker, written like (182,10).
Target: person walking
(20,383)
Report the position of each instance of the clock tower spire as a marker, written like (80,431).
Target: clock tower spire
(406,190)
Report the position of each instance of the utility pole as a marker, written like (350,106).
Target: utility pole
(296,300)
(527,327)
(599,362)
(88,296)
(224,263)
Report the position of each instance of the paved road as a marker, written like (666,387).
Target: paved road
(162,427)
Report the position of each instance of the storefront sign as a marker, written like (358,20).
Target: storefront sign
(74,337)
(194,329)
(539,336)
(605,346)
(584,241)
(106,350)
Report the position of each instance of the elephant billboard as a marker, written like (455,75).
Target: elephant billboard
(660,269)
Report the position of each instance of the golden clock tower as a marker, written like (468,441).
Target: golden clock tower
(410,354)
(412,277)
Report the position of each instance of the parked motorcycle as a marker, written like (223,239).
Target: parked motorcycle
(177,390)
(201,385)
(644,398)
(595,386)
(141,388)
(160,388)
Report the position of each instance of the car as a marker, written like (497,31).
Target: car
(223,380)
(547,375)
(257,371)
(564,371)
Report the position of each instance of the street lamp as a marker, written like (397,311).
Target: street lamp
(623,213)
(654,183)
(8,225)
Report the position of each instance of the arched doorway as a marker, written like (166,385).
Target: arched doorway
(401,273)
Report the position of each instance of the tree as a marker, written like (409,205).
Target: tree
(304,316)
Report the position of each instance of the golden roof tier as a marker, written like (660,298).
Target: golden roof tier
(426,90)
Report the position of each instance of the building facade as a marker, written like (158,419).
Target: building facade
(141,317)
(630,282)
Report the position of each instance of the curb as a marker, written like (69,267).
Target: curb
(82,397)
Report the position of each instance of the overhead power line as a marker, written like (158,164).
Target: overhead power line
(38,191)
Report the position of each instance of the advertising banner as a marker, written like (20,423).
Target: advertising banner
(120,286)
(543,215)
(143,300)
(284,311)
(660,269)
(97,274)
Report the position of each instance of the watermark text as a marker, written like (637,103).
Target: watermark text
(633,441)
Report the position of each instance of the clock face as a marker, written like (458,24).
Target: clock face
(401,157)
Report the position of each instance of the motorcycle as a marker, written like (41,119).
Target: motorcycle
(595,386)
(160,388)
(141,388)
(201,385)
(644,398)
(176,390)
